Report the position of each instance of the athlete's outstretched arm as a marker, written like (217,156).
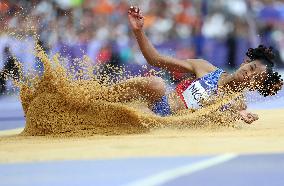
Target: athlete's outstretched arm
(240,105)
(154,58)
(245,115)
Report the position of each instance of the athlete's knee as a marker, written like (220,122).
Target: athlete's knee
(157,86)
(157,83)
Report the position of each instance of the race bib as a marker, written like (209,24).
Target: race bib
(194,94)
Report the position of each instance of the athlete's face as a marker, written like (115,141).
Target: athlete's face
(251,74)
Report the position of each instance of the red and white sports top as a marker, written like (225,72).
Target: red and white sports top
(192,92)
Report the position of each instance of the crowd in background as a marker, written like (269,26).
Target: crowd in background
(219,31)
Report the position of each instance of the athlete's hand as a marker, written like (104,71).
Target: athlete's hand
(248,117)
(136,19)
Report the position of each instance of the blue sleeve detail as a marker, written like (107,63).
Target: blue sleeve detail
(211,80)
(162,107)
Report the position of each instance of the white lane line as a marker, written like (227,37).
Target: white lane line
(11,132)
(172,174)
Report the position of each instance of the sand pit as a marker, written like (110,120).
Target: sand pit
(265,136)
(63,103)
(81,118)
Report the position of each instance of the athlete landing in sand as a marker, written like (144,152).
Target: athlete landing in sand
(254,74)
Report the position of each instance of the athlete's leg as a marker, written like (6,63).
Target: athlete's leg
(150,89)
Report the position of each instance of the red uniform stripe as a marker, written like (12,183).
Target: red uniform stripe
(181,87)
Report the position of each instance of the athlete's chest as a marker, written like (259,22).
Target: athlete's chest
(193,92)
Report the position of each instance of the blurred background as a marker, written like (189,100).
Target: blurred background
(219,31)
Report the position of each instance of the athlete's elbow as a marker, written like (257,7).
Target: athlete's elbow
(153,60)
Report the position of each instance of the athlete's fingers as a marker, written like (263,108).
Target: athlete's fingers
(130,9)
(250,116)
(133,9)
(247,119)
(136,9)
(250,120)
(132,16)
(140,14)
(135,15)
(256,116)
(130,12)
(253,117)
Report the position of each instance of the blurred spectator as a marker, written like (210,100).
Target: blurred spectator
(10,70)
(218,30)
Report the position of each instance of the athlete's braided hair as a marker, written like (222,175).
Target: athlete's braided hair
(266,56)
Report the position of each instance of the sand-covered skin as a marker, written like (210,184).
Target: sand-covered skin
(265,136)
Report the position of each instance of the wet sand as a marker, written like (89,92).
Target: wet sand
(265,136)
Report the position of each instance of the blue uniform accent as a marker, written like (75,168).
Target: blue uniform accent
(209,82)
(162,107)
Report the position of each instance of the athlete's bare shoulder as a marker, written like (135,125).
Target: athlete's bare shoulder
(201,67)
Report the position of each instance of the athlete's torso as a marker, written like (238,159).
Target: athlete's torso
(189,93)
